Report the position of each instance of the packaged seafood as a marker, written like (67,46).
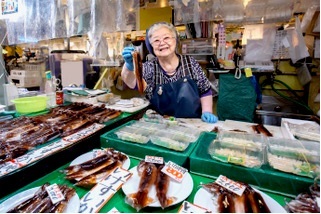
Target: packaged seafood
(238,148)
(170,136)
(244,141)
(294,156)
(169,143)
(237,155)
(137,138)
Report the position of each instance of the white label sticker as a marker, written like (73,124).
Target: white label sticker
(154,159)
(55,193)
(231,185)
(174,171)
(98,152)
(188,207)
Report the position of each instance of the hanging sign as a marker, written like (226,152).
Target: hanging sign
(10,8)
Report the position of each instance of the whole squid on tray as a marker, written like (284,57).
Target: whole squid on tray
(40,202)
(162,186)
(226,201)
(90,172)
(148,175)
(151,174)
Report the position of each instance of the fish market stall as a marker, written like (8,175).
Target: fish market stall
(189,193)
(25,164)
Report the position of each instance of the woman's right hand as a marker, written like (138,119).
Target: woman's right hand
(127,55)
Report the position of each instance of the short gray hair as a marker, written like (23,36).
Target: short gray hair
(167,25)
(159,25)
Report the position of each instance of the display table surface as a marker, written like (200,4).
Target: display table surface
(118,200)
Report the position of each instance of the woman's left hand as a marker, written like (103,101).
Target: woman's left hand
(209,117)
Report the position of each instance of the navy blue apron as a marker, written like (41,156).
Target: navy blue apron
(179,99)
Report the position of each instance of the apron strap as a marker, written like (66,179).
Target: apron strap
(186,66)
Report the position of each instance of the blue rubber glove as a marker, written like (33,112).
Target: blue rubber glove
(127,55)
(209,117)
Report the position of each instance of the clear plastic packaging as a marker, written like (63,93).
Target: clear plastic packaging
(234,140)
(238,148)
(294,156)
(132,137)
(169,143)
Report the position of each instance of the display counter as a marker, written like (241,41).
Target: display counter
(118,199)
(21,176)
(264,178)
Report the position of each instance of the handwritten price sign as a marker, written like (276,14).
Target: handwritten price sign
(231,185)
(174,171)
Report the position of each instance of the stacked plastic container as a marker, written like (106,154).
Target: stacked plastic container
(172,137)
(300,157)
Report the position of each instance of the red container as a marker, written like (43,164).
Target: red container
(59,97)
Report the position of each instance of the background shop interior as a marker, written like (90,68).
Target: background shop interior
(81,42)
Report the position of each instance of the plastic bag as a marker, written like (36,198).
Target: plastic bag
(237,98)
(297,50)
(259,49)
(186,11)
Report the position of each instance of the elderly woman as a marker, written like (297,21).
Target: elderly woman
(174,84)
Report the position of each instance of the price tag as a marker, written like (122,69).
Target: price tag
(248,72)
(231,185)
(188,207)
(154,159)
(55,193)
(174,171)
(98,152)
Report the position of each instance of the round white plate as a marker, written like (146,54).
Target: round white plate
(204,199)
(89,155)
(179,190)
(72,206)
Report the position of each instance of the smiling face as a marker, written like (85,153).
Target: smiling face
(163,40)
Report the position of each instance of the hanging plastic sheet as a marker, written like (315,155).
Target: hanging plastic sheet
(58,14)
(38,20)
(259,40)
(3,33)
(78,17)
(186,11)
(109,16)
(254,11)
(278,11)
(232,11)
(270,11)
(210,10)
(16,31)
(297,47)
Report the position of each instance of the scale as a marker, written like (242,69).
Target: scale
(25,79)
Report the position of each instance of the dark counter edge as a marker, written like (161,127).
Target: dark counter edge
(21,177)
